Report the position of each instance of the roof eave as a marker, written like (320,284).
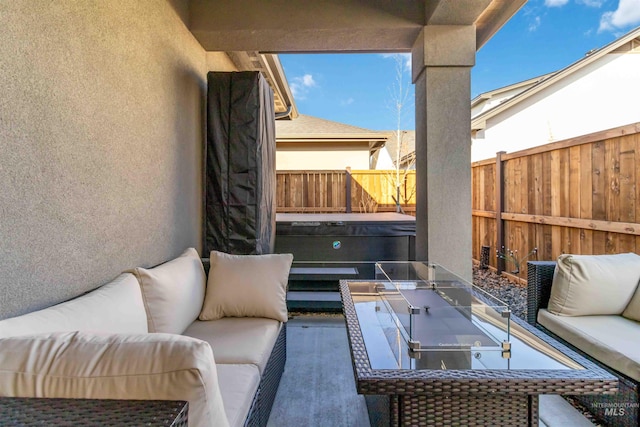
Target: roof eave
(570,69)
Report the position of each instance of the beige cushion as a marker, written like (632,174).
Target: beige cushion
(247,286)
(632,311)
(238,339)
(605,338)
(238,384)
(85,365)
(173,292)
(116,307)
(593,284)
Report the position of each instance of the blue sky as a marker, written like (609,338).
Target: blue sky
(544,36)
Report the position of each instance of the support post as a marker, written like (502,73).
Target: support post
(499,210)
(347,189)
(442,58)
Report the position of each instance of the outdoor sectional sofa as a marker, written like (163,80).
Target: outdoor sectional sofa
(592,303)
(165,333)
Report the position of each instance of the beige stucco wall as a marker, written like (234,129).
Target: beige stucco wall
(101,138)
(309,156)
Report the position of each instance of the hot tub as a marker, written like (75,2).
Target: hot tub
(346,237)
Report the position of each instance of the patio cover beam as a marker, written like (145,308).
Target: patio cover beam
(336,25)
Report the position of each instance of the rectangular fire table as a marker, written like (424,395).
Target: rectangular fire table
(429,348)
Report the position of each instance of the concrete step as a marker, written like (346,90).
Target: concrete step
(314,301)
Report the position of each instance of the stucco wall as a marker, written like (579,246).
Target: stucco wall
(600,96)
(309,156)
(101,138)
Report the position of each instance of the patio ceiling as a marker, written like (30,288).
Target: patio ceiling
(337,25)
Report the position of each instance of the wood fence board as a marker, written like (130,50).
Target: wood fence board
(546,183)
(612,195)
(598,178)
(490,189)
(574,182)
(586,183)
(564,182)
(538,205)
(636,144)
(627,180)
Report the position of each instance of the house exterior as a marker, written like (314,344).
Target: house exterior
(102,123)
(400,149)
(598,92)
(312,143)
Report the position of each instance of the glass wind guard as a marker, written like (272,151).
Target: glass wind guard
(441,312)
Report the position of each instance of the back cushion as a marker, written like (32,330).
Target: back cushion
(116,307)
(173,292)
(586,285)
(124,366)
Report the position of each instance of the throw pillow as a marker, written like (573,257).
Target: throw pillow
(173,292)
(585,285)
(247,286)
(632,312)
(114,366)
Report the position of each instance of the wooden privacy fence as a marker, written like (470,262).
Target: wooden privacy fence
(334,191)
(577,196)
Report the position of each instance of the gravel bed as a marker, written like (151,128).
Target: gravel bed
(513,294)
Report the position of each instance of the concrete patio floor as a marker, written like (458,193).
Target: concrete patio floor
(318,388)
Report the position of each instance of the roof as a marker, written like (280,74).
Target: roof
(311,128)
(479,122)
(407,145)
(271,68)
(523,85)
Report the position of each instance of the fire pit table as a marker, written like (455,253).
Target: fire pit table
(429,348)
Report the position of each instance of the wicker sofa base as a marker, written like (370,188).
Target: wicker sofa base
(263,400)
(620,409)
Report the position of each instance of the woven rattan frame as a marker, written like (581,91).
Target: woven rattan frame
(540,278)
(18,411)
(483,393)
(263,400)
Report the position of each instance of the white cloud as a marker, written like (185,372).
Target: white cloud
(308,81)
(347,101)
(591,3)
(300,85)
(555,3)
(406,58)
(534,24)
(627,14)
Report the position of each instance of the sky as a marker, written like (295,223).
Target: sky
(544,36)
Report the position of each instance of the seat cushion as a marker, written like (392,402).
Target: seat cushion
(116,307)
(632,311)
(610,339)
(173,292)
(238,340)
(122,366)
(247,286)
(238,385)
(589,285)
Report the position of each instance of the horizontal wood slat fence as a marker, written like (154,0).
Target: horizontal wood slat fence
(578,196)
(343,191)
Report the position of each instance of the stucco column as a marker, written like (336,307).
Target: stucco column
(442,58)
